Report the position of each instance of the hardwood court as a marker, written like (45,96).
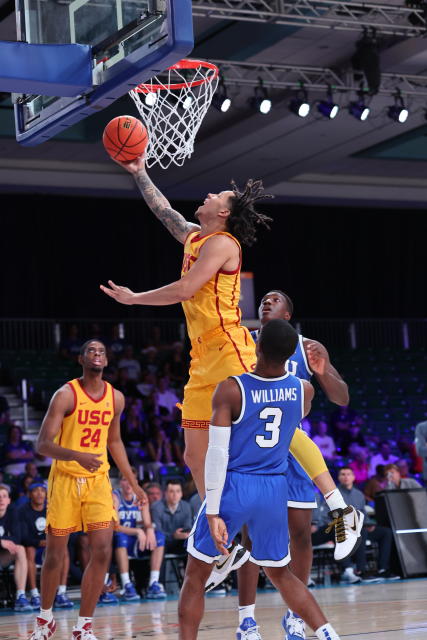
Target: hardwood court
(388,611)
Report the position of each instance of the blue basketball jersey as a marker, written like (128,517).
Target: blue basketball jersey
(271,410)
(129,513)
(297,364)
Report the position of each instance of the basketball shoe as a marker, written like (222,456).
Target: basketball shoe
(156,591)
(43,630)
(294,626)
(238,556)
(248,630)
(62,601)
(348,524)
(129,593)
(85,633)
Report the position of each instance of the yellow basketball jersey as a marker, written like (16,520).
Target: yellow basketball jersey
(215,305)
(86,429)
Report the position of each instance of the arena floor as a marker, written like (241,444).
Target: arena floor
(387,611)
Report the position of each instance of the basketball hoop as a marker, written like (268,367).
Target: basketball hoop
(172,106)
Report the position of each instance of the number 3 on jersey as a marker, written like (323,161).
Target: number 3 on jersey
(272,427)
(91,438)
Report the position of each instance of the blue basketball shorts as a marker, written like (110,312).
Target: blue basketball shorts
(131,543)
(39,555)
(252,500)
(301,493)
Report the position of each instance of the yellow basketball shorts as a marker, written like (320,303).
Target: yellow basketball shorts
(76,504)
(214,357)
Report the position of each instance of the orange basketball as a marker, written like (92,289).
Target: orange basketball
(125,138)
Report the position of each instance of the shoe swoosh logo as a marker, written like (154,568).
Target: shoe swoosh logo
(219,566)
(221,347)
(354,527)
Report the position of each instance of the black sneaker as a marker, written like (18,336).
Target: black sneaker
(386,574)
(369,578)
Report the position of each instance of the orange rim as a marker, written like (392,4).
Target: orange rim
(182,64)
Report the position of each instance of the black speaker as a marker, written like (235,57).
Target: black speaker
(405,512)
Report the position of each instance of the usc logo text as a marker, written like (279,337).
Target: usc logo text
(92,437)
(94,417)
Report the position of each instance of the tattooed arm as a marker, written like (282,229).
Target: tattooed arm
(174,222)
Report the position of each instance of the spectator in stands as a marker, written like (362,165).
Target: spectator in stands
(351,439)
(421,444)
(403,468)
(32,517)
(395,480)
(165,398)
(359,465)
(133,537)
(17,452)
(382,535)
(172,516)
(177,368)
(70,347)
(134,432)
(146,386)
(341,419)
(150,360)
(158,445)
(23,494)
(4,411)
(325,443)
(375,484)
(116,344)
(124,384)
(384,456)
(11,550)
(154,492)
(129,362)
(32,470)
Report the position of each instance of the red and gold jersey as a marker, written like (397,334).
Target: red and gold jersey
(86,429)
(215,305)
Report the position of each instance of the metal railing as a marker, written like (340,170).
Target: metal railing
(33,334)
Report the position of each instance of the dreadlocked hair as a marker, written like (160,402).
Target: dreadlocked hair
(244,218)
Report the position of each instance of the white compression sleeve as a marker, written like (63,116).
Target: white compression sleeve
(216,466)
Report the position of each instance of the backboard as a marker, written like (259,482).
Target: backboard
(130,41)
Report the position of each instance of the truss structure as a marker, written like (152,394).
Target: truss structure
(282,76)
(387,19)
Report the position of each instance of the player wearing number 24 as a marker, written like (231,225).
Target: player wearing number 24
(82,422)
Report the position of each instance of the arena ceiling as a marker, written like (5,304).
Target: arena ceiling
(310,160)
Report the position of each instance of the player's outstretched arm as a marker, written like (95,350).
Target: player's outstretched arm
(326,375)
(174,222)
(118,451)
(216,252)
(61,405)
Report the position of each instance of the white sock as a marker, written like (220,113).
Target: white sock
(107,577)
(124,577)
(20,592)
(246,612)
(46,614)
(81,621)
(327,632)
(154,577)
(334,500)
(34,592)
(62,589)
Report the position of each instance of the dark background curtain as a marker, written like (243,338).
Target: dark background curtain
(333,262)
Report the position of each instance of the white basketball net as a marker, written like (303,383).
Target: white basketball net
(173,115)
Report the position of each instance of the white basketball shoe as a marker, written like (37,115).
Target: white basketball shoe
(348,524)
(238,556)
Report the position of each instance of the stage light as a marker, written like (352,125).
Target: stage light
(359,110)
(261,101)
(300,107)
(220,100)
(299,104)
(328,109)
(397,111)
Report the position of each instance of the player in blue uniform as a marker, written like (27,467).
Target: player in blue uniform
(254,418)
(133,537)
(310,358)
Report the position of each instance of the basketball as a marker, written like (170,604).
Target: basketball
(125,138)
